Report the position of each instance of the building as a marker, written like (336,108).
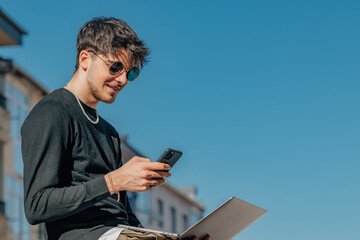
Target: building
(165,207)
(19,92)
(22,92)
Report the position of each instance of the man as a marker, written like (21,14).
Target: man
(74,180)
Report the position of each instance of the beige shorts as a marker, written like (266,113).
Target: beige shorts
(127,234)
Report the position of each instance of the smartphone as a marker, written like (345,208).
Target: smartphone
(170,156)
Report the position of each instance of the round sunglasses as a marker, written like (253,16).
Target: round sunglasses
(115,68)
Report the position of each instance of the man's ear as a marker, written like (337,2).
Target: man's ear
(84,59)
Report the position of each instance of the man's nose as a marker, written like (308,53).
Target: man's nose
(121,78)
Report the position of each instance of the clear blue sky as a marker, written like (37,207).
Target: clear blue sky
(261,96)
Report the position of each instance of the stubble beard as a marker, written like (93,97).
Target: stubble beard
(95,92)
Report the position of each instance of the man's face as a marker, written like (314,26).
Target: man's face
(103,86)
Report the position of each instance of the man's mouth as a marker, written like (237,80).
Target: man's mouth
(115,88)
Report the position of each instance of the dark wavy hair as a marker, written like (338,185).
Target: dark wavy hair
(109,36)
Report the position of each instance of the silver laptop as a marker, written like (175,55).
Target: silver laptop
(223,223)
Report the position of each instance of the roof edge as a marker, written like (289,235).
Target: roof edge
(12,22)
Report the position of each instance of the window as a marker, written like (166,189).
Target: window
(132,199)
(143,209)
(185,222)
(41,231)
(18,108)
(195,216)
(173,219)
(19,229)
(2,91)
(160,215)
(2,209)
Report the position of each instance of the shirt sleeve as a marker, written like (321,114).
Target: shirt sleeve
(46,139)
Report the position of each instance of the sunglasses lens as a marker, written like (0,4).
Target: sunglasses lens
(116,68)
(133,73)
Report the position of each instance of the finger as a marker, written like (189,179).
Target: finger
(160,174)
(146,188)
(207,237)
(140,159)
(189,238)
(156,182)
(158,166)
(149,175)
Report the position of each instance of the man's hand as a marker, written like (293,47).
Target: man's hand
(207,237)
(137,175)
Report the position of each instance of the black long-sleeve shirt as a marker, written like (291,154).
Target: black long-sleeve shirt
(65,160)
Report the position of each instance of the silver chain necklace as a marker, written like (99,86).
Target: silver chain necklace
(97,116)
